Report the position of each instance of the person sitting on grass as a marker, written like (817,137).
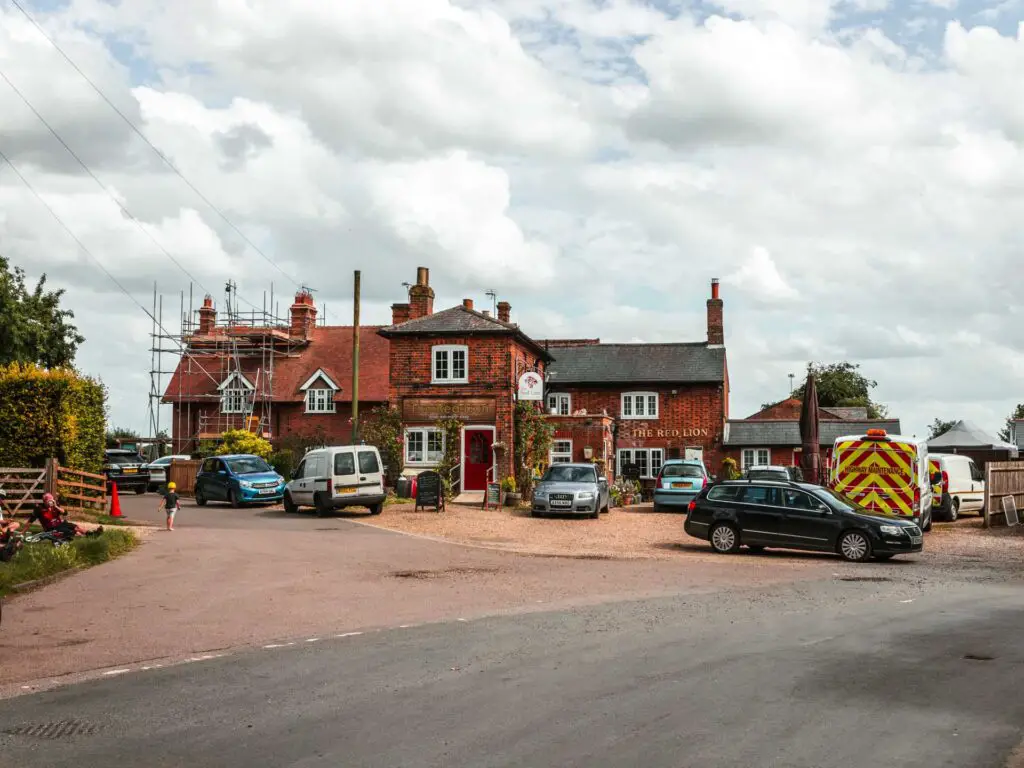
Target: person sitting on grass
(53,519)
(170,503)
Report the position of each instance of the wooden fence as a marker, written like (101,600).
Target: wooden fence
(76,491)
(24,487)
(1002,478)
(183,475)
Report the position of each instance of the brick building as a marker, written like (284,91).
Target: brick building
(772,435)
(272,378)
(659,401)
(461,362)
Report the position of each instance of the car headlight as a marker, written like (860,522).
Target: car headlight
(245,483)
(892,530)
(585,495)
(540,494)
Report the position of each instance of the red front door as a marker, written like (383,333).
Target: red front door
(478,459)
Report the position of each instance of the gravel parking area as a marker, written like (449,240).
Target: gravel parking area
(638,532)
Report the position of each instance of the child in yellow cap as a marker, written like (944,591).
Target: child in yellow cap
(170,504)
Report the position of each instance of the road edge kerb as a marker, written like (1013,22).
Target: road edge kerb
(28,586)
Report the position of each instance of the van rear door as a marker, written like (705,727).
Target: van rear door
(371,475)
(879,474)
(346,481)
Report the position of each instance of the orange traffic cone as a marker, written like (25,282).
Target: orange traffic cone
(115,501)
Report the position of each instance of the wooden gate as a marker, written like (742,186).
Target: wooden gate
(80,491)
(183,475)
(24,487)
(1002,478)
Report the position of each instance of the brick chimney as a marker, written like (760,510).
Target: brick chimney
(421,295)
(207,317)
(399,313)
(303,314)
(716,323)
(504,311)
(467,304)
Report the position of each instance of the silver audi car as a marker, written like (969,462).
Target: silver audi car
(571,489)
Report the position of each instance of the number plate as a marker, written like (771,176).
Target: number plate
(131,471)
(268,491)
(682,485)
(557,503)
(347,490)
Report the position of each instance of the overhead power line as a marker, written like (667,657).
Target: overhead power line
(152,146)
(103,269)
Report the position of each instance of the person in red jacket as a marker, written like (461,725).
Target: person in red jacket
(53,519)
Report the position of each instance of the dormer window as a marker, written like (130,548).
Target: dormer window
(320,390)
(450,364)
(235,394)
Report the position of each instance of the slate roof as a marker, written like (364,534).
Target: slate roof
(329,348)
(460,321)
(694,363)
(850,414)
(966,434)
(764,433)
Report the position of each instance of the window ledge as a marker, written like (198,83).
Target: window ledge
(321,413)
(638,418)
(449,381)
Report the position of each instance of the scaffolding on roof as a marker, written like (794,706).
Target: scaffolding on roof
(234,352)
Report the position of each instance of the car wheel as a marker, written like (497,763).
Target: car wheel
(234,499)
(854,546)
(954,510)
(597,511)
(376,509)
(140,490)
(725,539)
(289,505)
(200,499)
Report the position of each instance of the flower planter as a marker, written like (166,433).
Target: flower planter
(627,501)
(513,499)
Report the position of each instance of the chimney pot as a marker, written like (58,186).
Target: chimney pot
(422,276)
(714,288)
(207,317)
(468,304)
(421,295)
(716,313)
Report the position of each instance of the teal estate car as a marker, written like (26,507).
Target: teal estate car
(679,482)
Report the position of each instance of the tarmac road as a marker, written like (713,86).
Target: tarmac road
(822,674)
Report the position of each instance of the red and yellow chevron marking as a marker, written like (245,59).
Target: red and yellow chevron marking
(933,467)
(879,475)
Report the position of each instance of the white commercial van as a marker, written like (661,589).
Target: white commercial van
(337,477)
(963,485)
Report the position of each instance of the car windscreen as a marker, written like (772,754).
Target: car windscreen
(767,474)
(681,470)
(123,458)
(564,474)
(248,466)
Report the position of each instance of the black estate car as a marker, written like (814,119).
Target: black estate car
(127,469)
(790,515)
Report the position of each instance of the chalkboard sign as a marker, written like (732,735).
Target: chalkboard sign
(493,497)
(630,471)
(429,492)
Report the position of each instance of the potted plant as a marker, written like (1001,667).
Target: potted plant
(508,489)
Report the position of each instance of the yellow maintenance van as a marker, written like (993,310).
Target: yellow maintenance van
(885,473)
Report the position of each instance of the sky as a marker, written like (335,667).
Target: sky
(851,170)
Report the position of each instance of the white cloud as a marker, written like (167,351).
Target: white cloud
(597,162)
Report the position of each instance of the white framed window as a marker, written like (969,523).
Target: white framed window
(639,405)
(320,400)
(451,364)
(424,446)
(235,394)
(648,459)
(755,457)
(560,403)
(561,452)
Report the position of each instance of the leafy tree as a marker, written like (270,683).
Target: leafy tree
(842,385)
(241,441)
(940,427)
(1006,431)
(121,433)
(384,431)
(33,327)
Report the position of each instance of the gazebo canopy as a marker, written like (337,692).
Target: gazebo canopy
(966,435)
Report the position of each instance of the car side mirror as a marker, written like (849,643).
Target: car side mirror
(823,510)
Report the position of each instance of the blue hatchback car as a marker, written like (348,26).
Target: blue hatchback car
(679,482)
(238,480)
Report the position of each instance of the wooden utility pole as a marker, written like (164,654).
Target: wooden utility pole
(355,362)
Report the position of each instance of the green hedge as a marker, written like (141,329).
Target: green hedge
(51,414)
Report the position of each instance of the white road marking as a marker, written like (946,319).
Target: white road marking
(349,634)
(278,645)
(313,640)
(906,601)
(116,672)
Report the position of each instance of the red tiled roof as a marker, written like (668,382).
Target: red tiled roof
(330,348)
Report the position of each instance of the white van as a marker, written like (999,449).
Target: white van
(337,477)
(963,485)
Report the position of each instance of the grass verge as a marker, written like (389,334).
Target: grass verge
(39,561)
